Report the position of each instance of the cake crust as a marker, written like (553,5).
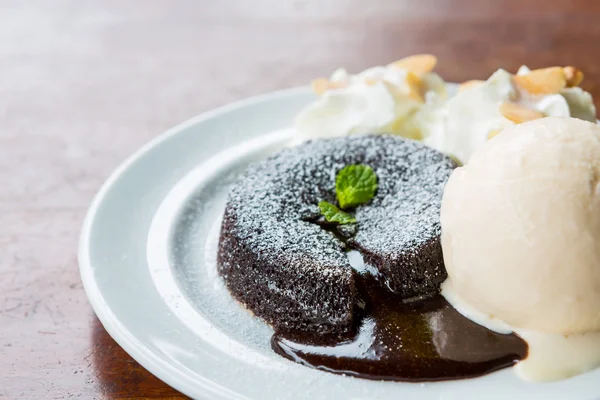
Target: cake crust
(290,271)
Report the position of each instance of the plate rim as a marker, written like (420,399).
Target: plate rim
(148,359)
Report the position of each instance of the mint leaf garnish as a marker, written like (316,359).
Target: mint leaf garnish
(355,185)
(334,214)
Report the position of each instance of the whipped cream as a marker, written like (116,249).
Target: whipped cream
(473,116)
(386,99)
(394,99)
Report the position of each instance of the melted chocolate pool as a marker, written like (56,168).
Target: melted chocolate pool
(424,340)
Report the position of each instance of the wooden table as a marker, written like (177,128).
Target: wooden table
(84,83)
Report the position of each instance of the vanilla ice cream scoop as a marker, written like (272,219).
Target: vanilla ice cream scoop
(521,227)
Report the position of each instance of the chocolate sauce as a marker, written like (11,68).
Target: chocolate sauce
(422,340)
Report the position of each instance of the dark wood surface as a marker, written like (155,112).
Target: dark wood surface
(83,83)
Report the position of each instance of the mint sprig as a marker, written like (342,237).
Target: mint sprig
(334,214)
(355,185)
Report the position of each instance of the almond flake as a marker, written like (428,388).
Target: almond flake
(573,75)
(517,113)
(542,81)
(321,85)
(469,84)
(415,85)
(493,133)
(419,63)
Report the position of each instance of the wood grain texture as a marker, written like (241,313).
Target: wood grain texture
(83,83)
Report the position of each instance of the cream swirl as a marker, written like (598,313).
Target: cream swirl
(386,99)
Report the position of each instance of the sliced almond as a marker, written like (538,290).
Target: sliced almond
(416,96)
(573,75)
(321,85)
(469,84)
(415,85)
(543,81)
(419,63)
(517,113)
(493,133)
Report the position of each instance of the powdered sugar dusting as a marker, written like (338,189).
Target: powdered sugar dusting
(401,225)
(274,200)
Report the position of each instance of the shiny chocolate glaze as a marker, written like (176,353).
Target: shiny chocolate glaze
(421,340)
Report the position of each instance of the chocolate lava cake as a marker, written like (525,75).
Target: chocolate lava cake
(278,259)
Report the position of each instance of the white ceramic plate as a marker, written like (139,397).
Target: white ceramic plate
(147,258)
